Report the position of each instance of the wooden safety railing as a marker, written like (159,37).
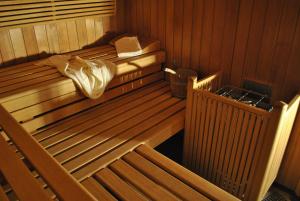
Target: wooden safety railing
(275,143)
(236,146)
(209,83)
(63,184)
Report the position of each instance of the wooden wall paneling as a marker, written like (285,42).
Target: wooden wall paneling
(52,38)
(155,21)
(169,31)
(81,33)
(7,51)
(188,10)
(140,17)
(57,37)
(120,16)
(271,28)
(229,36)
(217,35)
(72,34)
(107,25)
(133,10)
(1,59)
(98,28)
(206,39)
(284,43)
(90,29)
(41,38)
(147,17)
(30,41)
(255,38)
(63,38)
(18,44)
(241,42)
(162,23)
(197,33)
(178,30)
(112,24)
(292,83)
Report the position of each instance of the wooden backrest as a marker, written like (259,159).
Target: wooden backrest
(37,96)
(231,143)
(63,184)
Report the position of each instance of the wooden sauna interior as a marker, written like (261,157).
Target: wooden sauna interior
(256,40)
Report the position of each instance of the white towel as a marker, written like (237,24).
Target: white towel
(91,77)
(128,47)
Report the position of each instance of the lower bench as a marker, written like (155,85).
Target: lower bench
(145,174)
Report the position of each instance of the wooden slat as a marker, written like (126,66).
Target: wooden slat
(97,190)
(29,82)
(85,104)
(118,186)
(69,123)
(33,12)
(42,161)
(229,140)
(201,185)
(152,136)
(102,121)
(87,135)
(101,149)
(144,184)
(212,170)
(123,68)
(162,178)
(19,177)
(288,174)
(191,99)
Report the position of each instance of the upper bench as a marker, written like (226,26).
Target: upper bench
(37,96)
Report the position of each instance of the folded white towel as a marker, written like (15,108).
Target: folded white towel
(128,47)
(91,77)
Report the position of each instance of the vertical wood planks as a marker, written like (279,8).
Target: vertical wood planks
(178,30)
(57,37)
(17,40)
(81,33)
(7,51)
(170,31)
(90,29)
(242,34)
(244,38)
(52,35)
(30,41)
(42,39)
(206,39)
(63,39)
(236,146)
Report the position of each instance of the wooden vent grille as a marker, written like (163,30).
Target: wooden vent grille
(15,13)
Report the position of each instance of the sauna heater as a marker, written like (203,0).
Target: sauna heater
(234,137)
(246,96)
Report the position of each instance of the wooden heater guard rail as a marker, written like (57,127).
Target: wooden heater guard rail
(236,146)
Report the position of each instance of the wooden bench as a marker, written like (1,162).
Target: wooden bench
(141,174)
(80,136)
